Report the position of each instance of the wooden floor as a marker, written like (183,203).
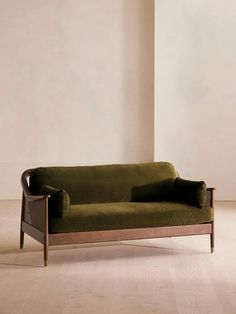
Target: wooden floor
(161,276)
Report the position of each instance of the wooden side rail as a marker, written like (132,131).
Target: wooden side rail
(34,222)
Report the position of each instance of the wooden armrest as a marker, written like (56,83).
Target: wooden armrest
(210,197)
(34,207)
(27,193)
(25,186)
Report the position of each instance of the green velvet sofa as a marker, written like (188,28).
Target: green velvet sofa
(68,205)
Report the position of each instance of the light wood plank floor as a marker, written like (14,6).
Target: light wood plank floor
(161,276)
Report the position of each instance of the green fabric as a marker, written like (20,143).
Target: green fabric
(112,197)
(190,192)
(110,216)
(59,201)
(108,183)
(158,191)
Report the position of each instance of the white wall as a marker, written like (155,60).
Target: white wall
(76,84)
(195,93)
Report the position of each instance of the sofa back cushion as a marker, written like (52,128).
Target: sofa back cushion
(108,183)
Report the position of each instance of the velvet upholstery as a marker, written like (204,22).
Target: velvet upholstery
(109,183)
(110,216)
(189,192)
(59,200)
(89,198)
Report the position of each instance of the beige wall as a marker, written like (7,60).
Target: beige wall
(76,84)
(195,94)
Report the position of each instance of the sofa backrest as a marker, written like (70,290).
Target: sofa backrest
(108,183)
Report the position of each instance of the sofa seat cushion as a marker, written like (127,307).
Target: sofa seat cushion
(128,215)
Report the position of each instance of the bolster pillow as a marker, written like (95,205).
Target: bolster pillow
(58,202)
(190,192)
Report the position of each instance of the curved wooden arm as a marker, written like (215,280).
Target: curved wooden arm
(34,215)
(28,195)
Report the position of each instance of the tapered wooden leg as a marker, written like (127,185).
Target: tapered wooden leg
(212,238)
(21,219)
(21,239)
(212,243)
(212,235)
(46,233)
(45,254)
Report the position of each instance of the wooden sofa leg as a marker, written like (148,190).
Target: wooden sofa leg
(45,247)
(22,239)
(21,219)
(46,233)
(212,238)
(212,243)
(211,204)
(45,254)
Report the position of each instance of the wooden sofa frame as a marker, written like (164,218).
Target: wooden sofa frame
(39,204)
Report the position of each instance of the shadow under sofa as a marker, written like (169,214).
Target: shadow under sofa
(69,205)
